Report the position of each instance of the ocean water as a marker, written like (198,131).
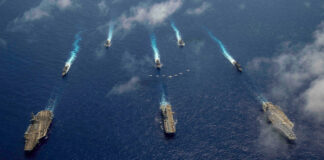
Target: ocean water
(217,113)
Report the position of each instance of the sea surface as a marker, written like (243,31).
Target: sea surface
(218,115)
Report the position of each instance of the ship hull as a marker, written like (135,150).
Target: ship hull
(238,66)
(66,70)
(181,43)
(107,44)
(158,64)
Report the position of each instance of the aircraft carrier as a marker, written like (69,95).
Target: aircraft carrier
(37,129)
(108,43)
(168,122)
(237,66)
(181,43)
(66,69)
(279,120)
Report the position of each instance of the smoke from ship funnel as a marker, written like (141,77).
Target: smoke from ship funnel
(111,30)
(224,51)
(176,31)
(76,49)
(154,47)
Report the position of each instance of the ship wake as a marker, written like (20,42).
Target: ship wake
(111,31)
(76,48)
(253,88)
(163,101)
(51,104)
(55,96)
(224,51)
(154,47)
(177,32)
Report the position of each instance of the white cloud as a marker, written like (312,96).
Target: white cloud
(315,97)
(2,2)
(103,7)
(116,1)
(198,47)
(133,64)
(197,11)
(270,141)
(152,15)
(300,70)
(307,4)
(129,86)
(62,4)
(3,43)
(100,51)
(242,6)
(44,9)
(33,14)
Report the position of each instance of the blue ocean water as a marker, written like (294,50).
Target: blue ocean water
(217,113)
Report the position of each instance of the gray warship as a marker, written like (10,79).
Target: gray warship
(158,64)
(237,66)
(108,43)
(181,43)
(66,69)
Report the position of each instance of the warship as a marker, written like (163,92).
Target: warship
(108,43)
(181,43)
(279,120)
(158,63)
(238,66)
(168,122)
(66,69)
(37,129)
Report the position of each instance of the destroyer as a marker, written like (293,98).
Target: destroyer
(37,129)
(108,43)
(181,43)
(66,69)
(158,64)
(168,122)
(279,120)
(237,66)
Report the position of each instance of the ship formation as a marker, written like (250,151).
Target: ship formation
(38,129)
(40,123)
(279,120)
